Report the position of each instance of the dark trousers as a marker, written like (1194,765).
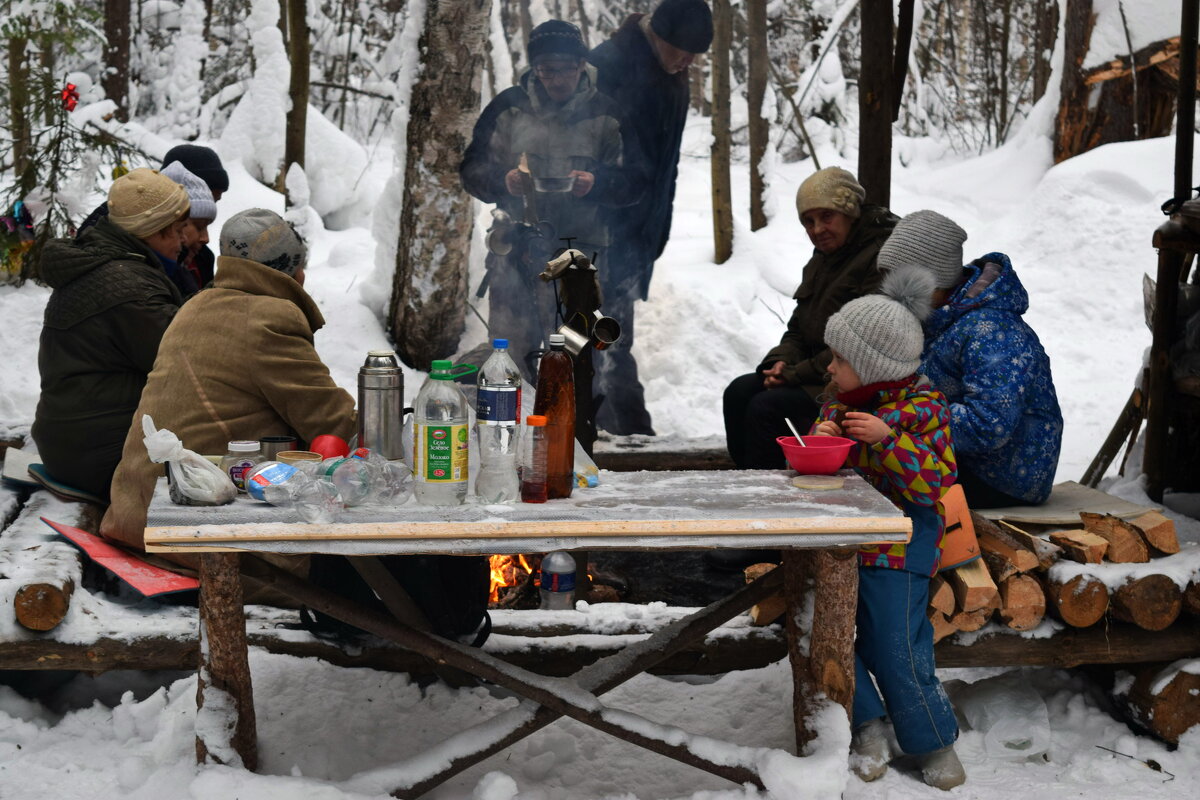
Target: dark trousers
(623,408)
(981,494)
(755,416)
(894,643)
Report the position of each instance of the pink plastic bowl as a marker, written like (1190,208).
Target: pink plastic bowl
(821,455)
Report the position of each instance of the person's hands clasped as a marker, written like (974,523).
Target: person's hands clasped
(827,428)
(584,181)
(773,377)
(867,428)
(513,182)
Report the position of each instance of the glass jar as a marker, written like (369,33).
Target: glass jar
(240,458)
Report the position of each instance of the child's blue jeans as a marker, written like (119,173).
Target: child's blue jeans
(894,643)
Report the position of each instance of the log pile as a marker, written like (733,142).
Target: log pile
(1015,582)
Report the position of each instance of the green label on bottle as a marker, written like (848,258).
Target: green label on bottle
(442,453)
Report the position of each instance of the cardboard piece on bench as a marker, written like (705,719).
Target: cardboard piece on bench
(147,579)
(16,468)
(1067,499)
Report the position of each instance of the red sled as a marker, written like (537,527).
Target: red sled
(147,579)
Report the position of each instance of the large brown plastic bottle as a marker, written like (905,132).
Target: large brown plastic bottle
(556,401)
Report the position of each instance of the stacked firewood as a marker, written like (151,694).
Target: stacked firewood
(1016,584)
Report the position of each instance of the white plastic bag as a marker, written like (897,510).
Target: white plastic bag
(195,481)
(1009,713)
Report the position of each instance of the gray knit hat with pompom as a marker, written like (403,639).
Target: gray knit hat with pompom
(880,334)
(929,240)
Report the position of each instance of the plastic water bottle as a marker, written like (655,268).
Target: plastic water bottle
(441,441)
(556,401)
(557,582)
(497,416)
(533,460)
(351,476)
(287,486)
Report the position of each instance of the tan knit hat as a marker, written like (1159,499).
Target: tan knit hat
(144,201)
(833,188)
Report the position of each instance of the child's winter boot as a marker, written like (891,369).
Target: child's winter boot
(941,769)
(869,751)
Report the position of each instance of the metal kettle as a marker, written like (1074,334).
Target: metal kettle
(381,404)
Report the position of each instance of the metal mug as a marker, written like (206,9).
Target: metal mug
(273,445)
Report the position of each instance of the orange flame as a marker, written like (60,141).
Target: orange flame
(507,571)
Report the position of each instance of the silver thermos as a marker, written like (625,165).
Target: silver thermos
(381,404)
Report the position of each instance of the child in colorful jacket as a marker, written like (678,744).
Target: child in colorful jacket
(902,447)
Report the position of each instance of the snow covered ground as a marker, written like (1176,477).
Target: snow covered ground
(1079,237)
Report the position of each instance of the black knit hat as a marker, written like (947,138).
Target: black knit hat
(556,38)
(202,162)
(686,24)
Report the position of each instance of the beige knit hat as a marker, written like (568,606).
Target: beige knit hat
(833,188)
(144,201)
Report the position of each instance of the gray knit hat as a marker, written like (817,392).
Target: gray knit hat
(928,240)
(833,188)
(880,334)
(263,236)
(199,195)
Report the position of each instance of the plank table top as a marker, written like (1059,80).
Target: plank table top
(627,511)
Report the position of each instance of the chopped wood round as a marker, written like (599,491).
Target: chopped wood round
(1167,705)
(41,606)
(1151,603)
(1080,602)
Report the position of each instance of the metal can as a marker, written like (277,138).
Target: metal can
(556,583)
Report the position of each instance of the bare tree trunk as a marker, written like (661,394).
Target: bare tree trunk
(18,105)
(429,288)
(299,49)
(116,55)
(1071,125)
(526,24)
(756,90)
(1046,34)
(721,190)
(581,14)
(874,101)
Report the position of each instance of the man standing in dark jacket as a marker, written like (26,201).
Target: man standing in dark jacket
(111,303)
(557,138)
(644,68)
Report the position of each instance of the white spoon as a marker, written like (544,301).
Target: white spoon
(796,432)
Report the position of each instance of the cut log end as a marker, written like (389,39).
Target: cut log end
(1080,602)
(1152,602)
(42,606)
(1167,705)
(1125,543)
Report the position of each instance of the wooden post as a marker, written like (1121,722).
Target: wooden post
(828,665)
(756,91)
(115,77)
(721,189)
(224,664)
(875,101)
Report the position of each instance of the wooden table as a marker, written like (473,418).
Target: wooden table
(818,532)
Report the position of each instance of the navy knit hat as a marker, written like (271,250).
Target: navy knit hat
(556,38)
(686,24)
(202,162)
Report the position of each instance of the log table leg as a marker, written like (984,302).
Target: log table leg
(226,732)
(826,664)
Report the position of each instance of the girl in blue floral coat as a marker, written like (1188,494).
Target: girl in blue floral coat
(988,362)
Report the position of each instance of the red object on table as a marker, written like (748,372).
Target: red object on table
(330,446)
(820,455)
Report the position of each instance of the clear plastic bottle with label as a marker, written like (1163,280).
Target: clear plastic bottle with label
(240,458)
(497,418)
(441,440)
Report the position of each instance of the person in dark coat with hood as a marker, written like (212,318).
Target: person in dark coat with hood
(111,302)
(644,67)
(988,361)
(567,132)
(847,235)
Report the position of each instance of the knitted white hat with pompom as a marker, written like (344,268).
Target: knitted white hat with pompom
(880,334)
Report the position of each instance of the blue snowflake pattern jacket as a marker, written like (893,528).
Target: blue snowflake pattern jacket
(990,364)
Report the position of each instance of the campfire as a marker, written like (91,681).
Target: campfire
(514,581)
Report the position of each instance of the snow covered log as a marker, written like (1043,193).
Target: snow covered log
(1080,601)
(38,572)
(1166,700)
(1152,602)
